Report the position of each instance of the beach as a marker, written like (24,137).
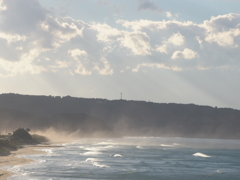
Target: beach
(12,160)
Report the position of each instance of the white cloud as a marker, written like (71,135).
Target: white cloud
(23,66)
(156,66)
(169,14)
(44,26)
(2,7)
(138,25)
(62,64)
(20,67)
(221,23)
(69,29)
(82,70)
(31,55)
(76,53)
(81,65)
(105,32)
(19,48)
(162,49)
(104,68)
(12,37)
(199,40)
(137,42)
(176,39)
(185,54)
(223,38)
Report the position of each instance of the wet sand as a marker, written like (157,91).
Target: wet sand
(11,160)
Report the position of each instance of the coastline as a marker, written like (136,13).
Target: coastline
(11,160)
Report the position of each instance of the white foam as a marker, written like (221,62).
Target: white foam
(100,165)
(176,144)
(92,153)
(47,150)
(14,169)
(201,155)
(25,174)
(94,162)
(93,159)
(139,147)
(219,171)
(106,143)
(108,147)
(42,161)
(98,148)
(117,155)
(167,145)
(91,149)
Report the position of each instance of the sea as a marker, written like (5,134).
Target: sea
(134,158)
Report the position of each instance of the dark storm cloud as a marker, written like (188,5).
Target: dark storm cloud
(21,16)
(148,5)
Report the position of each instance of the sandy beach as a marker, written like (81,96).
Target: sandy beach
(12,160)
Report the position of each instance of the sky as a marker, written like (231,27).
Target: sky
(163,51)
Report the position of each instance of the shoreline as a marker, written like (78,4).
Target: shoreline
(11,159)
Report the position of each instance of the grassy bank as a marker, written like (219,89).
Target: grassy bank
(6,146)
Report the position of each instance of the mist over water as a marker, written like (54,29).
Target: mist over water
(135,158)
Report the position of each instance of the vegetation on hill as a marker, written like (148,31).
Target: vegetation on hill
(117,117)
(22,136)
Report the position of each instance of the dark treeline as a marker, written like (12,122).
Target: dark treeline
(17,139)
(106,118)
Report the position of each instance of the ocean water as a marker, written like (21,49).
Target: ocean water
(135,158)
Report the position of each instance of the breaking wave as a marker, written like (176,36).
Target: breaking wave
(201,155)
(117,155)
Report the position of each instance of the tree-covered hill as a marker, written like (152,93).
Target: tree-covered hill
(119,117)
